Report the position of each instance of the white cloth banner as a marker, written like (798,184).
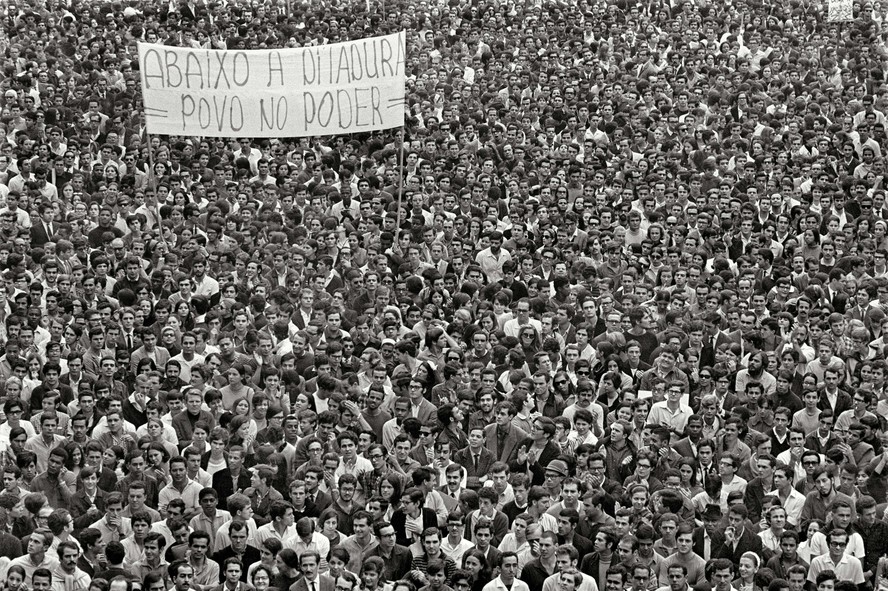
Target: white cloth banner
(840,10)
(325,90)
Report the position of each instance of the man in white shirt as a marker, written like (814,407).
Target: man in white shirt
(845,567)
(507,580)
(513,327)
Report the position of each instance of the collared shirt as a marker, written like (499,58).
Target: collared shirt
(210,525)
(819,545)
(356,468)
(498,585)
(793,504)
(319,543)
(456,551)
(223,540)
(113,535)
(142,568)
(661,414)
(287,539)
(207,575)
(738,484)
(39,446)
(134,552)
(26,563)
(847,569)
(189,495)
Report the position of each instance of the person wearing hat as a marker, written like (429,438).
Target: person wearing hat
(709,537)
(556,472)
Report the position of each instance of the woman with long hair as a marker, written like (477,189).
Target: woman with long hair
(239,428)
(614,363)
(475,563)
(688,486)
(391,488)
(71,340)
(529,339)
(145,365)
(185,314)
(16,579)
(112,460)
(76,460)
(426,375)
(237,387)
(158,460)
(33,377)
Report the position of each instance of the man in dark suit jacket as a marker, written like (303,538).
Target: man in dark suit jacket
(224,482)
(10,545)
(502,438)
(316,502)
(156,353)
(311,580)
(687,446)
(756,490)
(43,231)
(711,518)
(843,401)
(79,506)
(412,508)
(476,471)
(737,538)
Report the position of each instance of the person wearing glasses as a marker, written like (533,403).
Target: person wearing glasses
(397,558)
(836,563)
(513,327)
(819,501)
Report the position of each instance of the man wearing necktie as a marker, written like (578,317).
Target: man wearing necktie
(311,580)
(42,233)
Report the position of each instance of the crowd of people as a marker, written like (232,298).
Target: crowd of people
(608,313)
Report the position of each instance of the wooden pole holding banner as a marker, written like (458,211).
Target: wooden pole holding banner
(402,175)
(153,183)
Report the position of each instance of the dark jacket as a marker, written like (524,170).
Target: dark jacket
(538,468)
(250,556)
(399,522)
(224,484)
(748,542)
(534,574)
(80,505)
(476,477)
(717,542)
(397,565)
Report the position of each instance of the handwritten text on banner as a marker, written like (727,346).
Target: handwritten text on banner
(324,90)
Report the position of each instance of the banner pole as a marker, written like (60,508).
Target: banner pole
(402,180)
(153,183)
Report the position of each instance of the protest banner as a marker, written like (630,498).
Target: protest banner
(323,90)
(840,10)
